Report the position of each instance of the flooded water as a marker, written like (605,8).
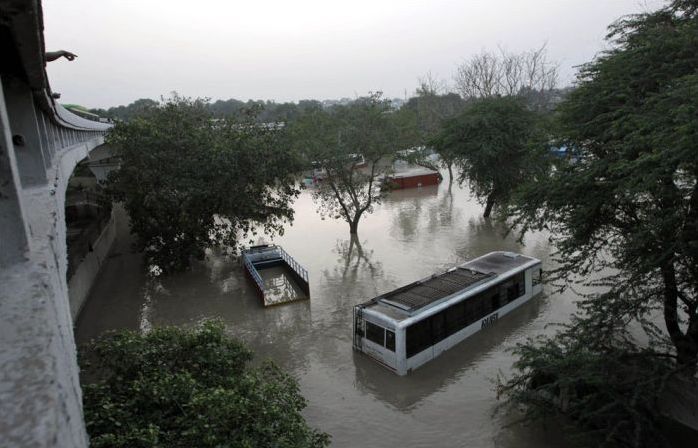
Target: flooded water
(279,286)
(412,234)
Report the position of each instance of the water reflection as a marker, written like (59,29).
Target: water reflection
(443,213)
(411,235)
(352,278)
(217,288)
(279,286)
(483,234)
(409,206)
(352,262)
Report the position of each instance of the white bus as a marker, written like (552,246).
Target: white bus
(412,325)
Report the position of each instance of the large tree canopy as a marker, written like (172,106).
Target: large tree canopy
(174,387)
(628,199)
(190,182)
(492,143)
(623,214)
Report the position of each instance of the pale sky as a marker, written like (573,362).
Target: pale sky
(288,50)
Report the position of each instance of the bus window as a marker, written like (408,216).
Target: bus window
(488,301)
(418,337)
(390,340)
(438,327)
(512,292)
(374,333)
(473,309)
(455,318)
(515,287)
(496,301)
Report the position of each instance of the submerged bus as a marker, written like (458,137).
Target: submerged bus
(414,324)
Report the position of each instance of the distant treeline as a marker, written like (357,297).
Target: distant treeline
(265,111)
(271,111)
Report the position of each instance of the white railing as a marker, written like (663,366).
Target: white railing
(258,256)
(253,272)
(60,129)
(300,270)
(263,254)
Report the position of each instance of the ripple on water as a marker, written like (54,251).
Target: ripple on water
(412,234)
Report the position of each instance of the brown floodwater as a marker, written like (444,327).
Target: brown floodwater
(449,402)
(279,286)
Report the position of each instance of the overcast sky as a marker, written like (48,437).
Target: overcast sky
(295,49)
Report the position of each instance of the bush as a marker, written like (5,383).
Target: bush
(593,372)
(174,387)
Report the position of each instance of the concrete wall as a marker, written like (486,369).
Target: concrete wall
(82,281)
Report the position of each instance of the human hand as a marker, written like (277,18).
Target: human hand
(53,55)
(68,55)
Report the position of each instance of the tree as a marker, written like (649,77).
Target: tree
(491,144)
(490,74)
(630,202)
(428,111)
(623,211)
(181,388)
(264,111)
(226,108)
(190,182)
(337,142)
(595,374)
(136,108)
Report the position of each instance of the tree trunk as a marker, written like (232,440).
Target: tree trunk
(689,357)
(354,224)
(686,345)
(450,174)
(489,205)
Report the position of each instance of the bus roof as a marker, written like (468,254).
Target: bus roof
(498,262)
(406,301)
(424,292)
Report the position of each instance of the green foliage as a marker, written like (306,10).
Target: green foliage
(496,146)
(184,388)
(190,182)
(593,373)
(132,110)
(424,115)
(267,111)
(622,212)
(431,110)
(627,202)
(335,141)
(264,111)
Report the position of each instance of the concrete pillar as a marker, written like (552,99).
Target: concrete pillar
(24,124)
(14,233)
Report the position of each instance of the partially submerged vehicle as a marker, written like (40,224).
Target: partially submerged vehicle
(405,328)
(277,277)
(411,178)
